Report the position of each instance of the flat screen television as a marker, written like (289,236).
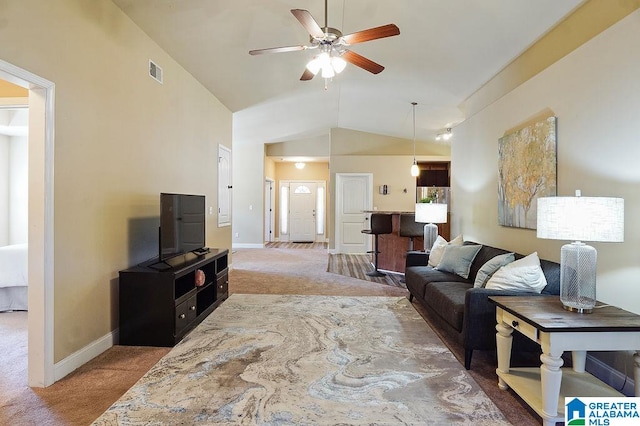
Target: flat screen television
(182,224)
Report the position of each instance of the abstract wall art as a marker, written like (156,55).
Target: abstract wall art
(526,170)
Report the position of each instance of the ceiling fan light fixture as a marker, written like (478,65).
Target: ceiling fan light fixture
(327,71)
(338,64)
(333,45)
(314,65)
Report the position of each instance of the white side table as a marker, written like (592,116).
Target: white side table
(543,320)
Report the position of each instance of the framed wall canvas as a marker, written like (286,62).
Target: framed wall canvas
(526,170)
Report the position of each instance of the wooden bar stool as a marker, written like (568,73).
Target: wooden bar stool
(380,224)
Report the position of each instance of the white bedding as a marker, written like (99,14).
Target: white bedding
(13,266)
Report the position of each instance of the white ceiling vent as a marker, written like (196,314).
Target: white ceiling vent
(155,71)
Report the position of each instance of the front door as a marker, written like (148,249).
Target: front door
(302,211)
(353,197)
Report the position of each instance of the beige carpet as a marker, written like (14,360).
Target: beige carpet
(290,360)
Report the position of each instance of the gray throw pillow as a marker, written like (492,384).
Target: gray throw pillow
(457,259)
(490,267)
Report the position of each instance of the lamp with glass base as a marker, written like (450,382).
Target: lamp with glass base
(430,213)
(580,219)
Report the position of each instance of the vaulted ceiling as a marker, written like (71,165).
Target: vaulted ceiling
(446,50)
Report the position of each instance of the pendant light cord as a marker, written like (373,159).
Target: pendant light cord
(414,131)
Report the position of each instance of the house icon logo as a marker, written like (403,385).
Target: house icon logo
(575,412)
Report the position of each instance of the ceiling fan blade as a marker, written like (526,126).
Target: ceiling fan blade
(308,22)
(362,62)
(372,34)
(307,75)
(277,50)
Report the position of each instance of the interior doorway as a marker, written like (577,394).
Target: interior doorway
(269,210)
(40,239)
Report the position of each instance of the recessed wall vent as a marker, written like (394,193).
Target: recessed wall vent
(155,71)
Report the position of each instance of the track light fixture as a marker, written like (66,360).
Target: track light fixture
(444,136)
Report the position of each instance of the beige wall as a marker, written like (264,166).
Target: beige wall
(595,95)
(269,168)
(310,147)
(353,142)
(9,90)
(120,139)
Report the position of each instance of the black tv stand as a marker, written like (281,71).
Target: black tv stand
(201,251)
(160,266)
(160,302)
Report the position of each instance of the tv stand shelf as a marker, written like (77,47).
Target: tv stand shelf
(158,307)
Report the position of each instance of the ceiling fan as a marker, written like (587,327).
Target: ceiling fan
(333,46)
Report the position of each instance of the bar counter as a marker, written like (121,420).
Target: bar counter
(393,247)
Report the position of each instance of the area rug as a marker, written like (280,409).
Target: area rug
(285,359)
(357,266)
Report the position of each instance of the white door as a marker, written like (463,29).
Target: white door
(224,186)
(269,220)
(353,196)
(302,211)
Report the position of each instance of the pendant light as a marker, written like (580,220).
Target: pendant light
(415,171)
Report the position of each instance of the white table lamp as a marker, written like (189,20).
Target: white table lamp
(580,219)
(430,213)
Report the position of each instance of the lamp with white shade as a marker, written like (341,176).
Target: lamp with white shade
(599,219)
(430,213)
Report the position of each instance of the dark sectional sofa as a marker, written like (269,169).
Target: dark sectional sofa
(463,312)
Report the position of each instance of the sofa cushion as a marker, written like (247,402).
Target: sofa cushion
(552,275)
(447,300)
(524,274)
(457,259)
(486,253)
(418,278)
(437,250)
(490,267)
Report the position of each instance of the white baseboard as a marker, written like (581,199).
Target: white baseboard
(84,355)
(610,376)
(247,245)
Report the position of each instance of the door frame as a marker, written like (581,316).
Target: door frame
(40,364)
(338,201)
(224,193)
(269,210)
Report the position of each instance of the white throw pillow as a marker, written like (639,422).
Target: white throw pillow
(457,259)
(522,275)
(490,267)
(437,250)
